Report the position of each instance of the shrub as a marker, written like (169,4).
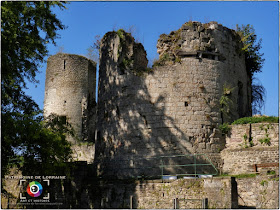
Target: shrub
(265,141)
(249,120)
(263,182)
(226,101)
(224,128)
(271,173)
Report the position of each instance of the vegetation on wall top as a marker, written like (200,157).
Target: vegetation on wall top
(256,119)
(173,43)
(125,58)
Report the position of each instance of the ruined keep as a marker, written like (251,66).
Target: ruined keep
(70,92)
(175,108)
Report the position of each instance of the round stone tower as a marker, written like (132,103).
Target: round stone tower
(213,55)
(70,92)
(175,108)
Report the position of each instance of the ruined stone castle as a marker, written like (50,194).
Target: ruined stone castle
(175,108)
(151,122)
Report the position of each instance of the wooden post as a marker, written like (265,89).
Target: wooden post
(175,203)
(131,202)
(205,203)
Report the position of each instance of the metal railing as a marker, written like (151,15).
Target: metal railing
(194,163)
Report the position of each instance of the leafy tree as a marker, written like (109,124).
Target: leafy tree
(258,96)
(254,63)
(35,146)
(26,29)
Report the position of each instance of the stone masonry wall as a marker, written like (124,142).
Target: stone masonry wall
(70,92)
(244,148)
(261,192)
(10,194)
(157,195)
(240,161)
(240,134)
(83,191)
(175,108)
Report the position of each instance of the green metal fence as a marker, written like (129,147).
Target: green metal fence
(194,163)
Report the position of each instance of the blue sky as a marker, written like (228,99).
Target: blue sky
(85,20)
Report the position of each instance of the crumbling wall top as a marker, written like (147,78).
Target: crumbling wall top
(198,39)
(122,48)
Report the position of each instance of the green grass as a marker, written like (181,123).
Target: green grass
(239,175)
(245,175)
(249,120)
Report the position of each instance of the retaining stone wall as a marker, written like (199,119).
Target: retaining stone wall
(242,161)
(258,192)
(156,195)
(240,157)
(236,140)
(261,192)
(81,190)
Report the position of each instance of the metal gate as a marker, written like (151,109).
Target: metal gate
(183,203)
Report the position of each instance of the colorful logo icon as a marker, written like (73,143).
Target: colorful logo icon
(34,189)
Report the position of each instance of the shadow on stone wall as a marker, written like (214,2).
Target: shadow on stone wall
(133,129)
